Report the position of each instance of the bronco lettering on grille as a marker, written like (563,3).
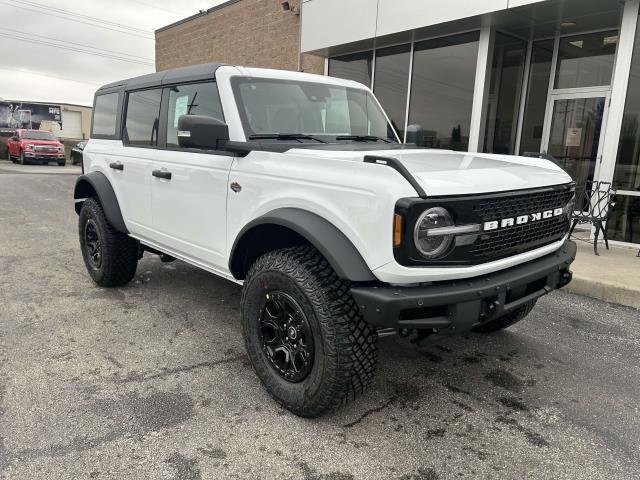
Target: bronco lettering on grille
(522,219)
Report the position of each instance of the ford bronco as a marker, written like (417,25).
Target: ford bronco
(297,187)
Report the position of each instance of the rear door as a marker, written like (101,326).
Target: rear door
(130,168)
(189,186)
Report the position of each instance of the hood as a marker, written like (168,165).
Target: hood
(55,143)
(445,172)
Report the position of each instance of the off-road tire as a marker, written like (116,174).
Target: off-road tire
(345,345)
(506,320)
(119,256)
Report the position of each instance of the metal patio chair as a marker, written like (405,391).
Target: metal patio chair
(593,203)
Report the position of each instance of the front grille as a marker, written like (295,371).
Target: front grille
(46,149)
(520,238)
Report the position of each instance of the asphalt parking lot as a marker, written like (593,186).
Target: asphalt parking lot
(151,381)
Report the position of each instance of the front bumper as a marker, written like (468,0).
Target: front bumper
(456,306)
(44,157)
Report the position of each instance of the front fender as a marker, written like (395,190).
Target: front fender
(341,254)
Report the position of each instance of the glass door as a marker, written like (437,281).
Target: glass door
(573,132)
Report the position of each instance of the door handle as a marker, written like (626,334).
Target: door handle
(116,166)
(162,174)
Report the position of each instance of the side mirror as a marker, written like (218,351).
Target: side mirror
(415,134)
(200,131)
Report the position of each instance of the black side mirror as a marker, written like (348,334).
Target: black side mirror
(415,134)
(200,131)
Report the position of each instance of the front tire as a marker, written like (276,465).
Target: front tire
(111,257)
(506,320)
(304,334)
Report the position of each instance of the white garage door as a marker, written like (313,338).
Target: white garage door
(71,125)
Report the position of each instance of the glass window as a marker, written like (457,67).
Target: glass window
(536,101)
(355,66)
(143,111)
(37,135)
(194,99)
(586,60)
(391,78)
(505,91)
(444,72)
(269,106)
(624,219)
(105,113)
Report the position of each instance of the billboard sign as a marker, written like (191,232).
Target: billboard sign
(28,115)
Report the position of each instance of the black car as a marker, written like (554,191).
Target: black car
(76,153)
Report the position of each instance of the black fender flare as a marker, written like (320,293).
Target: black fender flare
(97,183)
(341,254)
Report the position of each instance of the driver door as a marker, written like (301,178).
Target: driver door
(189,185)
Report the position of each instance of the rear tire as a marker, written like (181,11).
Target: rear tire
(334,348)
(506,320)
(111,257)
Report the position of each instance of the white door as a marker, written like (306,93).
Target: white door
(190,203)
(71,125)
(189,186)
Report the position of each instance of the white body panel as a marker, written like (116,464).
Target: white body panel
(196,216)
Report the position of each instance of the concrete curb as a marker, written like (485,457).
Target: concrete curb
(607,291)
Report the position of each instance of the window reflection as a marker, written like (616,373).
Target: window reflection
(355,66)
(505,91)
(536,102)
(586,60)
(444,71)
(391,78)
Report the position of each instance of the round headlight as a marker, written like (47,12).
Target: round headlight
(428,242)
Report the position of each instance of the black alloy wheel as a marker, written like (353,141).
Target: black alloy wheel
(93,243)
(287,339)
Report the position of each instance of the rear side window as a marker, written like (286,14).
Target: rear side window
(105,113)
(143,113)
(193,99)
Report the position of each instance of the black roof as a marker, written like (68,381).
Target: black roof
(191,73)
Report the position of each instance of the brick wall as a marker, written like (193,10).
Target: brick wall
(252,33)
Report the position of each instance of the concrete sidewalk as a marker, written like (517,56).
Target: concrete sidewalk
(614,276)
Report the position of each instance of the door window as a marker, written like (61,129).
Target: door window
(574,138)
(193,99)
(143,112)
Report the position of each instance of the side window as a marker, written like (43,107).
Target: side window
(105,115)
(143,112)
(192,99)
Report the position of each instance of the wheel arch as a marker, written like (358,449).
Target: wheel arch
(285,227)
(96,184)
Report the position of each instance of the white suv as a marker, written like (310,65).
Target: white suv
(297,187)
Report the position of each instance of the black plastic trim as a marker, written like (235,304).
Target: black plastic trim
(400,168)
(323,235)
(98,182)
(460,305)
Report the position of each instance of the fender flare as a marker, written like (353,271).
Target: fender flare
(341,254)
(96,183)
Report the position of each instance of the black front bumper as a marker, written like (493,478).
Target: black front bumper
(456,306)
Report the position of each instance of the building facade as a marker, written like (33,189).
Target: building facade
(501,76)
(65,121)
(256,33)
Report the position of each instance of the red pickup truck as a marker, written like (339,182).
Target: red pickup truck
(40,146)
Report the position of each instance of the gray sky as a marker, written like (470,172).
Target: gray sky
(106,28)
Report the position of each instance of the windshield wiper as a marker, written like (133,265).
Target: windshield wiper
(362,138)
(284,136)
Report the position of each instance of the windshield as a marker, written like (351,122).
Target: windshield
(37,135)
(275,106)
